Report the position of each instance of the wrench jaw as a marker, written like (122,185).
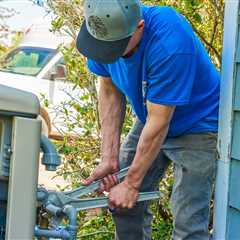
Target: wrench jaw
(60,199)
(84,190)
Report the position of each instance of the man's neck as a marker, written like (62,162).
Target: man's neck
(131,52)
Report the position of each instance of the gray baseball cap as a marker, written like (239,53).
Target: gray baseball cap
(107,29)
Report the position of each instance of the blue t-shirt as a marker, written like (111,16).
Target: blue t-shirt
(171,67)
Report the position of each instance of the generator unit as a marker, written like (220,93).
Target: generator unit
(20,132)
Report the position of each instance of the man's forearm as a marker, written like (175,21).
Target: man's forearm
(148,148)
(150,142)
(112,113)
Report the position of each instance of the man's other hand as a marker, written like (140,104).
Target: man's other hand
(123,196)
(103,171)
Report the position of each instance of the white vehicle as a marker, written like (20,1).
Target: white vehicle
(38,67)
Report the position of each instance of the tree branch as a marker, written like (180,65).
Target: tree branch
(207,44)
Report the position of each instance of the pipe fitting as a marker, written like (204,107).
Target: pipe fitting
(50,156)
(71,214)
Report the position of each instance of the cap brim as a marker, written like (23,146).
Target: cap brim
(98,50)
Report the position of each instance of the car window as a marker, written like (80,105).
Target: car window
(57,72)
(27,60)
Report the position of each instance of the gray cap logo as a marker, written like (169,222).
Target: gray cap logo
(112,20)
(98,29)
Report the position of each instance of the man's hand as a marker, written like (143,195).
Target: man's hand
(123,196)
(104,170)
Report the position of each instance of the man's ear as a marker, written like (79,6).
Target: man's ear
(141,24)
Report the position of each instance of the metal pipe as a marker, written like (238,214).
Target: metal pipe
(54,210)
(50,157)
(69,232)
(71,214)
(42,194)
(58,233)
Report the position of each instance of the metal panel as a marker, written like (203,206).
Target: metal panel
(6,132)
(234,216)
(4,190)
(234,191)
(238,49)
(23,179)
(221,200)
(17,101)
(236,137)
(237,88)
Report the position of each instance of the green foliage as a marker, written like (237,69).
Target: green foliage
(82,154)
(3,50)
(162,228)
(98,227)
(14,42)
(6,13)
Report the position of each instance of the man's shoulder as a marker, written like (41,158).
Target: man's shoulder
(168,31)
(159,13)
(152,9)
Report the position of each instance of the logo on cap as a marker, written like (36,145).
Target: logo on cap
(97,27)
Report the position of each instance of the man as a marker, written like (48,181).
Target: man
(152,56)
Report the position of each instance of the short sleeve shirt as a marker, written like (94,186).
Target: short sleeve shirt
(171,67)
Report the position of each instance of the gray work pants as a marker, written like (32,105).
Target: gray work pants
(194,159)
